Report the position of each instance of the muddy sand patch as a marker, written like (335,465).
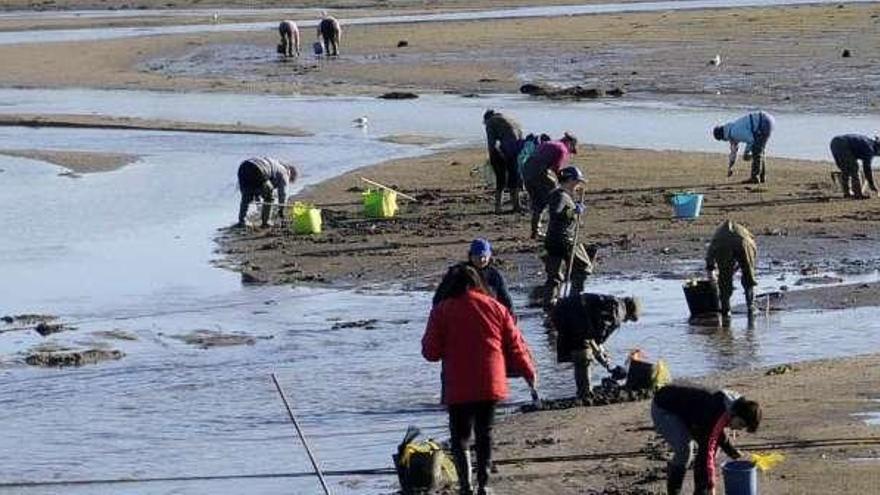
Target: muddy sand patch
(207,339)
(52,355)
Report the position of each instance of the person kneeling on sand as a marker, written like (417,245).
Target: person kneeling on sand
(478,342)
(289,38)
(754,130)
(480,259)
(687,416)
(561,241)
(848,150)
(541,170)
(732,247)
(583,323)
(257,178)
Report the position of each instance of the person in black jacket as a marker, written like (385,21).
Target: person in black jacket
(848,150)
(688,414)
(583,323)
(480,258)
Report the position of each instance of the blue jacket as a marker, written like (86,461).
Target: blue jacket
(744,129)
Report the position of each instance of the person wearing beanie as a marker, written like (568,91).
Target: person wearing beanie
(848,150)
(479,258)
(540,173)
(258,177)
(583,323)
(503,139)
(689,416)
(754,130)
(561,243)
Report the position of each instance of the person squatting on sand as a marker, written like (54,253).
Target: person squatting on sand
(732,247)
(480,259)
(257,178)
(847,150)
(477,341)
(289,38)
(561,244)
(754,130)
(503,139)
(541,171)
(688,416)
(583,323)
(330,34)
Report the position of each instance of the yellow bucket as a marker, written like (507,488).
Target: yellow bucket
(305,219)
(380,204)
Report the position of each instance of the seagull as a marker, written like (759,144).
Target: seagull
(716,61)
(215,17)
(361,121)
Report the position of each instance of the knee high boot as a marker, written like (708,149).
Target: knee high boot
(499,194)
(514,198)
(463,468)
(750,300)
(674,478)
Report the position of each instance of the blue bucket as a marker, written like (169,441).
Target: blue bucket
(687,205)
(740,478)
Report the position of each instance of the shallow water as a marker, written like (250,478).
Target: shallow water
(130,249)
(65,35)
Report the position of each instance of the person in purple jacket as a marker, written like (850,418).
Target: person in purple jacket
(848,150)
(540,173)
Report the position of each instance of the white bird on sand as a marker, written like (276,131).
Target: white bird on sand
(361,121)
(216,17)
(716,61)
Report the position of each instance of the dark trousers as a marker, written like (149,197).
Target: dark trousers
(850,178)
(556,268)
(253,184)
(763,129)
(479,418)
(286,39)
(539,189)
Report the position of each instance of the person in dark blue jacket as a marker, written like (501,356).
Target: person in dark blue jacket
(480,258)
(848,150)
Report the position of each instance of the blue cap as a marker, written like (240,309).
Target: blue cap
(480,247)
(571,173)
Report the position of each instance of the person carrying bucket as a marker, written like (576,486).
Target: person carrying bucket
(478,343)
(848,150)
(330,33)
(754,130)
(583,323)
(689,416)
(289,38)
(257,178)
(566,259)
(732,247)
(541,170)
(503,137)
(480,259)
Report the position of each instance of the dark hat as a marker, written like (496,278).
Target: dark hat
(572,140)
(633,308)
(488,114)
(480,247)
(718,132)
(749,411)
(571,173)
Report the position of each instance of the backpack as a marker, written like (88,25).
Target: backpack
(526,149)
(422,466)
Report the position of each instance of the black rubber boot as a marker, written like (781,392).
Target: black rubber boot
(463,468)
(498,197)
(750,300)
(514,198)
(674,479)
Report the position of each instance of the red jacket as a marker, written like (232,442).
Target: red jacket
(477,340)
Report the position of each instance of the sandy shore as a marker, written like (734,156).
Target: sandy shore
(809,416)
(650,55)
(134,123)
(799,219)
(78,162)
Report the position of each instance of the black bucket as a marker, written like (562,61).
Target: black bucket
(702,297)
(640,375)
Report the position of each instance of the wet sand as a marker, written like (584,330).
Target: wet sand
(134,123)
(78,162)
(799,219)
(808,417)
(650,55)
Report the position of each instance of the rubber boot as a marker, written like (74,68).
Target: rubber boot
(750,300)
(844,185)
(514,198)
(858,191)
(674,478)
(725,307)
(463,468)
(763,164)
(536,223)
(498,196)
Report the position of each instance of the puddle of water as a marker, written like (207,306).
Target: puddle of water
(66,35)
(871,418)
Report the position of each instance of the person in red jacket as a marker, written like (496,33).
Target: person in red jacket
(478,342)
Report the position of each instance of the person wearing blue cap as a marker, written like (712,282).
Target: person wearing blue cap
(561,243)
(480,258)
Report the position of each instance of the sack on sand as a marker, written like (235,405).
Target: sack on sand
(380,204)
(280,48)
(422,466)
(318,48)
(305,218)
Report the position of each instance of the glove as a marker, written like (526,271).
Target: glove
(618,372)
(580,208)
